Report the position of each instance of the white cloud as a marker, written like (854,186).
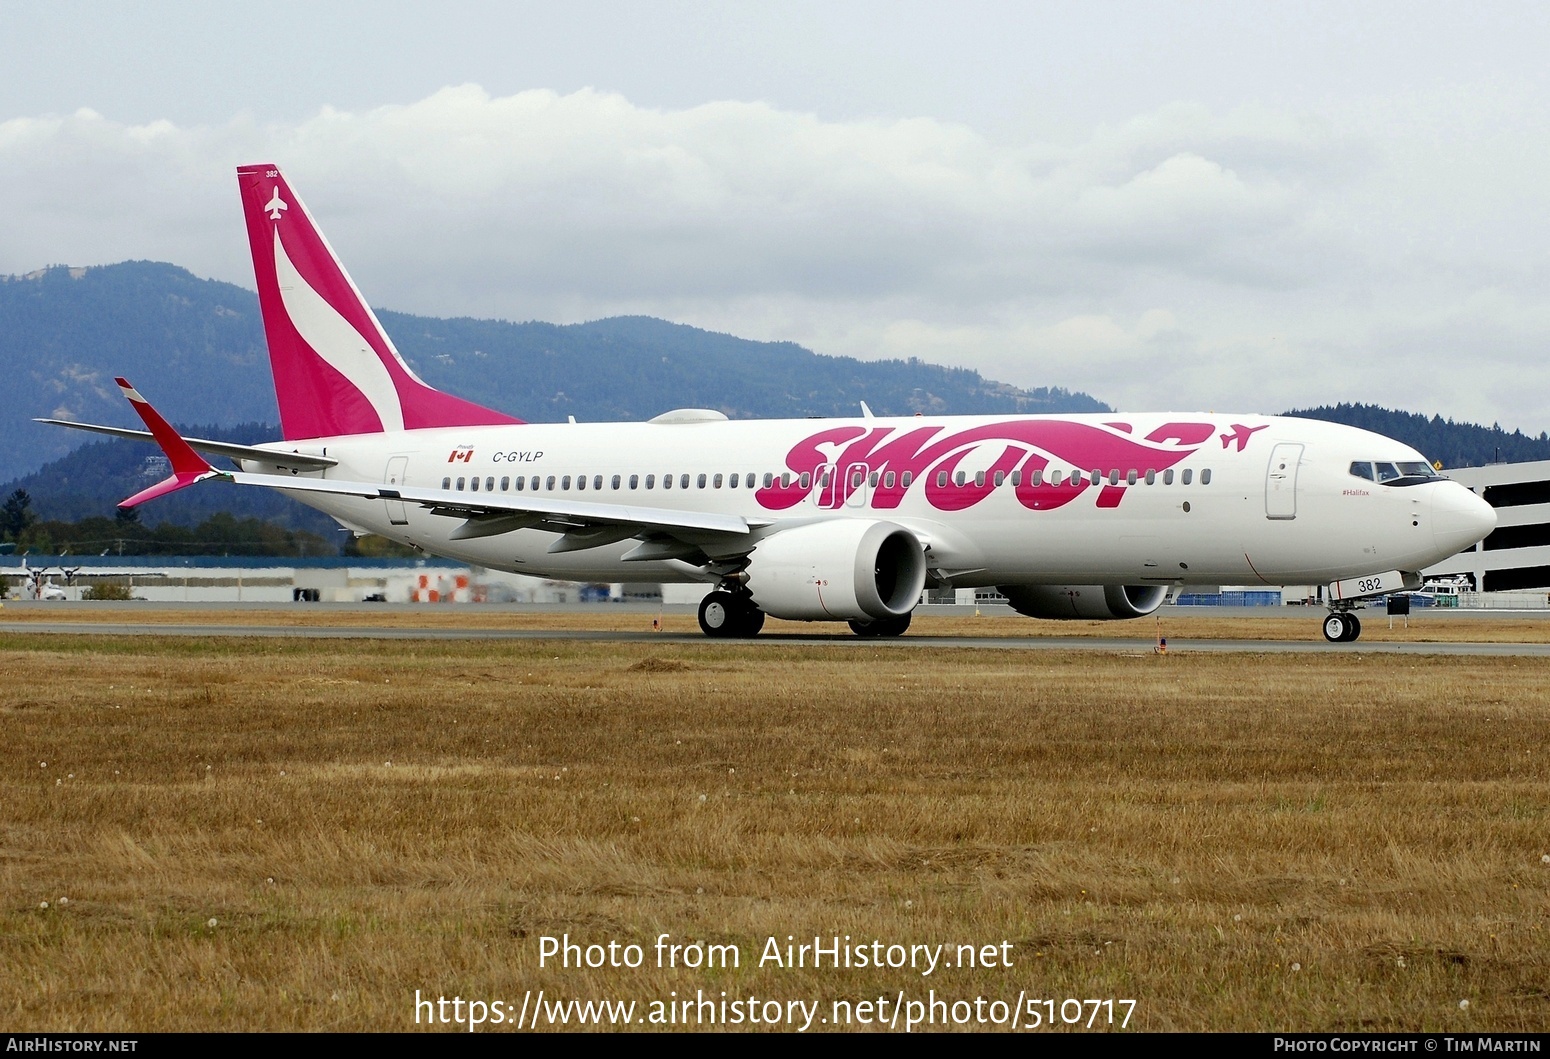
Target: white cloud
(1252,258)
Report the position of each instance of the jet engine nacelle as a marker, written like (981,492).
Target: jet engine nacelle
(839,570)
(1099,602)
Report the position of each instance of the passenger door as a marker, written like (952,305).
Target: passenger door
(1281,481)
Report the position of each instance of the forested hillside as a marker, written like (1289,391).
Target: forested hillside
(1454,444)
(196,349)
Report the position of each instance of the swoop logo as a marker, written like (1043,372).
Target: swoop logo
(848,459)
(462,454)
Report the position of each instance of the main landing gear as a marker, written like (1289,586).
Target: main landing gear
(1342,627)
(730,615)
(881,628)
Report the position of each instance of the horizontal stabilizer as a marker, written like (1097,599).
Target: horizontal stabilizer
(302,461)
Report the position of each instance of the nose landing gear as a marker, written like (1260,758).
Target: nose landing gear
(1342,627)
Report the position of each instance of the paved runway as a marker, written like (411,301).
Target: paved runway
(1115,645)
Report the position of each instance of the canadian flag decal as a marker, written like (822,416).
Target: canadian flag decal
(462,454)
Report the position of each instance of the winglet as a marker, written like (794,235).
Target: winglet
(188,466)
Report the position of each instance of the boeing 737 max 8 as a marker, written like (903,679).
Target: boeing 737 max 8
(1072,516)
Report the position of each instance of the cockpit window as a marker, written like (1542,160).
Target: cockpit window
(1410,472)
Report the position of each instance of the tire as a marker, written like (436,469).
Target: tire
(1336,628)
(719,614)
(753,621)
(730,615)
(1353,628)
(881,628)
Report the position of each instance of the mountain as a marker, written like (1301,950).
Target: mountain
(1453,444)
(195,347)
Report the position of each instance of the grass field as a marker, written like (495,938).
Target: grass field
(1289,623)
(290,834)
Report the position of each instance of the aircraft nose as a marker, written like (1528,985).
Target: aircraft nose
(1459,518)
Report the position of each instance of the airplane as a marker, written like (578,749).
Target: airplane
(38,582)
(1091,516)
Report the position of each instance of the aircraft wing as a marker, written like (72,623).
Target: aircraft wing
(300,460)
(583,523)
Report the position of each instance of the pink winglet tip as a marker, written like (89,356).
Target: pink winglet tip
(188,466)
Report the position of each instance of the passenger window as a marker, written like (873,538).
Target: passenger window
(1054,479)
(473,485)
(489,484)
(533,485)
(597,481)
(1017,478)
(615,482)
(683,481)
(565,482)
(1131,476)
(1168,476)
(634,481)
(667,481)
(960,478)
(581,481)
(732,480)
(941,479)
(1096,477)
(907,479)
(1114,477)
(506,484)
(446,483)
(769,479)
(716,482)
(1363,469)
(1205,476)
(651,481)
(806,480)
(979,479)
(749,480)
(700,482)
(874,479)
(1151,477)
(1188,474)
(1000,478)
(888,480)
(785,480)
(521,481)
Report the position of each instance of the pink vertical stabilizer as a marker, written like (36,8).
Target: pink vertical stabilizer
(335,370)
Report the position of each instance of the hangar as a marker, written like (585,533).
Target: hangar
(1516,556)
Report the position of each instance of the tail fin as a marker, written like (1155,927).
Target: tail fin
(335,369)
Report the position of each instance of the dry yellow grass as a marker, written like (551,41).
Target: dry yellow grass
(1327,841)
(1291,623)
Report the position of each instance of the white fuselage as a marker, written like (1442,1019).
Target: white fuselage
(1179,499)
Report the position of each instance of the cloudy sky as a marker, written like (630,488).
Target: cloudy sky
(1168,205)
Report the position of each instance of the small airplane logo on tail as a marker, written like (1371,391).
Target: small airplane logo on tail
(1240,434)
(275,205)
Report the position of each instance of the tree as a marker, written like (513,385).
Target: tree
(16,514)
